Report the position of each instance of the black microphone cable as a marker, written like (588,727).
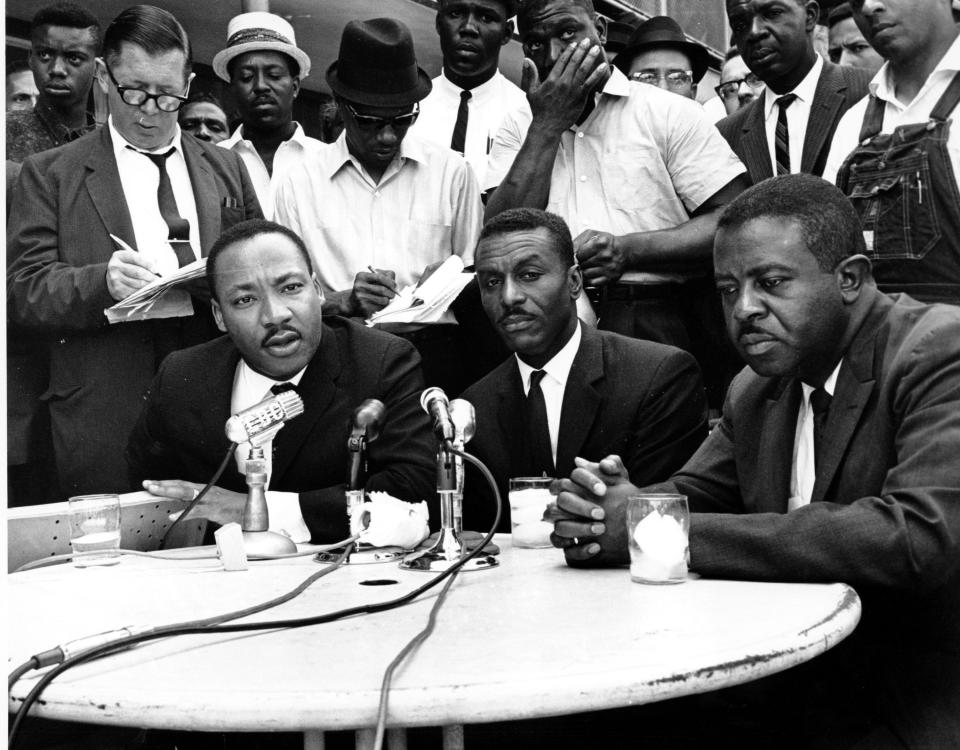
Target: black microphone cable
(192,628)
(199,497)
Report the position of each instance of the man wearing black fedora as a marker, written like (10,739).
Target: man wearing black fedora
(660,54)
(378,206)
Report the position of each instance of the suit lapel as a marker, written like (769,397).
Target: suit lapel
(754,143)
(104,186)
(205,193)
(775,449)
(317,388)
(581,400)
(828,103)
(212,403)
(511,413)
(855,384)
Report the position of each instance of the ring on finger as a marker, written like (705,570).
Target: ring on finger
(576,541)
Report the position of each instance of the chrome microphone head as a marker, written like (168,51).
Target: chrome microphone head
(464,418)
(261,422)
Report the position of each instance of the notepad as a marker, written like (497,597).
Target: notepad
(428,302)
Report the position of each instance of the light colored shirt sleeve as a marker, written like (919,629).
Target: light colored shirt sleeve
(467,218)
(506,144)
(285,206)
(285,516)
(845,139)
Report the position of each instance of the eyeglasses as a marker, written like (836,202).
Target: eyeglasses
(378,123)
(139,97)
(676,79)
(730,89)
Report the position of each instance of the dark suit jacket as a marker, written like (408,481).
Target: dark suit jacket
(641,400)
(66,204)
(838,89)
(180,434)
(885,515)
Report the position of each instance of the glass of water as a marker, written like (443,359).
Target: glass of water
(95,529)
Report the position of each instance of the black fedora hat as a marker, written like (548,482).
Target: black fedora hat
(663,31)
(377,66)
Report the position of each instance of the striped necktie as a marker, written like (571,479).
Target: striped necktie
(782,138)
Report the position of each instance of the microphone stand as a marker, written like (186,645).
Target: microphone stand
(258,541)
(448,548)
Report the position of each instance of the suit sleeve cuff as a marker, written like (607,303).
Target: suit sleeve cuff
(285,516)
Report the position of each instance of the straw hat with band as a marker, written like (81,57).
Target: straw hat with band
(376,66)
(255,32)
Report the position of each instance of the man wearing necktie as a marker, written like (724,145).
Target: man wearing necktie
(789,127)
(569,390)
(165,195)
(835,460)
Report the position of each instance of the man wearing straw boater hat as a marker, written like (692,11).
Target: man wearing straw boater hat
(264,67)
(377,207)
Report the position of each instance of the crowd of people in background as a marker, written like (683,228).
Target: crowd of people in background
(628,245)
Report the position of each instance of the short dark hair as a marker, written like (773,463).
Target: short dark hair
(292,65)
(731,53)
(529,6)
(839,13)
(204,97)
(510,7)
(830,225)
(68,15)
(153,29)
(529,219)
(17,66)
(247,230)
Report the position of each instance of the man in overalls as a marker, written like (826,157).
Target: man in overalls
(897,154)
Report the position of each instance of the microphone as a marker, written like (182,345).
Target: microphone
(435,403)
(464,419)
(364,428)
(368,419)
(261,422)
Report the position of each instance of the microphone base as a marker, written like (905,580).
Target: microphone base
(430,561)
(364,554)
(267,543)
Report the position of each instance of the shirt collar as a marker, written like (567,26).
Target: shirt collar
(49,117)
(450,88)
(882,86)
(120,143)
(559,366)
(804,90)
(410,148)
(299,137)
(256,386)
(617,84)
(830,386)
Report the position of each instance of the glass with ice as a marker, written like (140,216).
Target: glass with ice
(658,527)
(529,497)
(94,529)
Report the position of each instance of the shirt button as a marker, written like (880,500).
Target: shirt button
(376,193)
(580,134)
(583,178)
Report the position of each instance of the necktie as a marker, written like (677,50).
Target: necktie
(540,451)
(178,228)
(820,401)
(279,388)
(782,138)
(460,127)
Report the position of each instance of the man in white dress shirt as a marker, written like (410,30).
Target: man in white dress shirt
(264,68)
(470,96)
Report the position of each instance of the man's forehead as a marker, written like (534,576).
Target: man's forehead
(551,11)
(65,36)
(262,58)
(515,247)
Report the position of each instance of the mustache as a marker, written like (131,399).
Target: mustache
(275,331)
(748,328)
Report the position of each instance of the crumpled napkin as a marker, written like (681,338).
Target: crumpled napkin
(384,521)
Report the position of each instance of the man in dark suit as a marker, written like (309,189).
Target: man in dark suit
(805,95)
(167,196)
(268,300)
(601,391)
(792,485)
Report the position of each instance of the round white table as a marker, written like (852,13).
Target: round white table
(530,638)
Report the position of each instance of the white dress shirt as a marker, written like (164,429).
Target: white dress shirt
(804,473)
(425,208)
(798,113)
(643,160)
(898,113)
(554,383)
(488,104)
(289,154)
(249,389)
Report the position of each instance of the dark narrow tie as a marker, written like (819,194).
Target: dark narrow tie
(540,451)
(820,401)
(279,388)
(178,228)
(782,138)
(459,139)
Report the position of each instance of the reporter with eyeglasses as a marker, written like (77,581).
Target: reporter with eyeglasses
(738,85)
(660,54)
(380,208)
(166,196)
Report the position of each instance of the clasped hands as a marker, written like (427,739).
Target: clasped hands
(589,514)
